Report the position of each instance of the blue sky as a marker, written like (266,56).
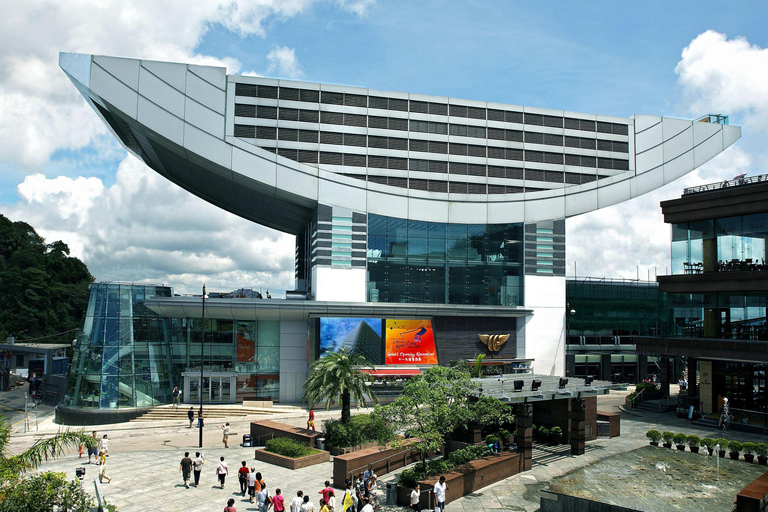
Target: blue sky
(607,57)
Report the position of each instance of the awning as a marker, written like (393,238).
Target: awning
(392,372)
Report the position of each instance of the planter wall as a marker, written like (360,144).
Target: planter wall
(754,496)
(335,450)
(289,462)
(467,479)
(263,431)
(383,461)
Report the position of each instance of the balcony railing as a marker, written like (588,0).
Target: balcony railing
(735,182)
(745,265)
(713,118)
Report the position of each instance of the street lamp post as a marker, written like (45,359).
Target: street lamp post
(202,362)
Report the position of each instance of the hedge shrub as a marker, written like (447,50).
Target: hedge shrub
(361,429)
(289,447)
(409,477)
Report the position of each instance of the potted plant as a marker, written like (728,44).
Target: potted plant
(748,449)
(667,436)
(557,435)
(734,448)
(654,436)
(709,444)
(761,449)
(543,433)
(694,442)
(679,440)
(505,436)
(723,445)
(535,431)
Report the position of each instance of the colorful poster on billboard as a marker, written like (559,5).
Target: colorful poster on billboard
(358,335)
(409,342)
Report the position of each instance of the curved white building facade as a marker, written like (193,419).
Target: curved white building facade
(395,197)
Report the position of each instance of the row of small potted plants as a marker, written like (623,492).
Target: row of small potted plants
(693,442)
(544,434)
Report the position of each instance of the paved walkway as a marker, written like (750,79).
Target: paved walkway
(144,466)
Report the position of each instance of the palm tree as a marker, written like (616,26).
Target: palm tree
(339,375)
(13,466)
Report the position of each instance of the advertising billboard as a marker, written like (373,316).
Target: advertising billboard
(409,342)
(358,335)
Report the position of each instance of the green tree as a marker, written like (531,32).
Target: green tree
(338,377)
(430,406)
(491,413)
(40,493)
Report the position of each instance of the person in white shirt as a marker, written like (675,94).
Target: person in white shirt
(225,434)
(105,442)
(222,471)
(415,495)
(297,501)
(197,466)
(367,507)
(307,506)
(252,484)
(440,489)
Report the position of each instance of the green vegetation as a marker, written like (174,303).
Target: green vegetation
(45,291)
(436,467)
(761,449)
(492,414)
(337,377)
(289,448)
(43,492)
(505,436)
(708,442)
(679,438)
(748,448)
(556,433)
(722,442)
(693,441)
(361,429)
(653,435)
(491,439)
(667,436)
(430,406)
(735,446)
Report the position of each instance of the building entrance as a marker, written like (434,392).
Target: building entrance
(217,387)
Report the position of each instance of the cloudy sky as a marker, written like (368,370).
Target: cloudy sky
(61,172)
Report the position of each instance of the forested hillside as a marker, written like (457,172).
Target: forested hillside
(43,290)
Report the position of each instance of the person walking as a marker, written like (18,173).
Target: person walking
(252,484)
(415,496)
(198,466)
(278,502)
(176,397)
(191,416)
(439,490)
(222,471)
(242,477)
(93,448)
(263,499)
(324,505)
(200,423)
(349,501)
(225,434)
(230,506)
(102,462)
(311,420)
(297,501)
(360,491)
(185,468)
(373,492)
(105,442)
(328,493)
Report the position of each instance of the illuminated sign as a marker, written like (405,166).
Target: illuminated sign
(409,342)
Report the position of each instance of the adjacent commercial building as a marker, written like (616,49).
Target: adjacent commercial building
(443,212)
(716,296)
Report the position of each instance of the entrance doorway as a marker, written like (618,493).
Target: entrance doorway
(217,387)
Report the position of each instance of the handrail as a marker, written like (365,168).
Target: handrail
(742,180)
(665,397)
(637,395)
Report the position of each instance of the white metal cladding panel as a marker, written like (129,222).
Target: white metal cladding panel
(428,209)
(647,181)
(678,137)
(294,181)
(214,75)
(615,193)
(205,93)
(708,148)
(207,146)
(204,118)
(643,122)
(579,203)
(545,209)
(254,167)
(125,70)
(501,212)
(172,73)
(160,121)
(114,91)
(545,330)
(338,194)
(678,167)
(730,135)
(160,93)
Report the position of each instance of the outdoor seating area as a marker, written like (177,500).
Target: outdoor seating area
(735,265)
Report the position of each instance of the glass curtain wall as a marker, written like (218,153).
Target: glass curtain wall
(720,245)
(432,262)
(725,315)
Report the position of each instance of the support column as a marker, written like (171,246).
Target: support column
(524,434)
(667,375)
(605,367)
(578,417)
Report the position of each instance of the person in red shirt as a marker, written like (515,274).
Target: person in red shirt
(327,492)
(242,476)
(278,502)
(311,420)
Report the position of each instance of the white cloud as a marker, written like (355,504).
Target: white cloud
(283,61)
(144,228)
(42,112)
(718,75)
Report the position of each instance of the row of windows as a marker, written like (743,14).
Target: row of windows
(425,146)
(443,186)
(423,107)
(454,168)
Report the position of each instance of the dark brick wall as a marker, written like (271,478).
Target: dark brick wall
(456,337)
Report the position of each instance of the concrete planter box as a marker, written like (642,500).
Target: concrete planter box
(466,479)
(335,450)
(289,462)
(383,461)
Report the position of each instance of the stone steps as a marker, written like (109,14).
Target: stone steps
(210,412)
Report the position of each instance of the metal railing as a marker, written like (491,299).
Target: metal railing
(373,464)
(741,180)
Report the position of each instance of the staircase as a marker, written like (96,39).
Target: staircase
(211,412)
(653,407)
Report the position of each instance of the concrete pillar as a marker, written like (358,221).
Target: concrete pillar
(524,434)
(578,417)
(570,365)
(666,375)
(642,367)
(605,367)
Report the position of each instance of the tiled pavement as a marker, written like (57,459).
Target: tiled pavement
(149,479)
